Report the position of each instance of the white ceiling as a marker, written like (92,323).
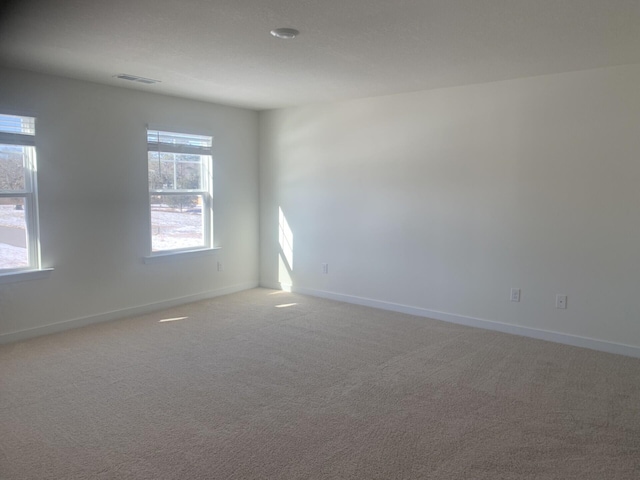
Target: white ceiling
(221,50)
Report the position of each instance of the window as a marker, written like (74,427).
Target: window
(180,198)
(19,246)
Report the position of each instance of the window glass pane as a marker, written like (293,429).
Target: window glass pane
(13,233)
(189,171)
(175,171)
(176,222)
(12,161)
(161,171)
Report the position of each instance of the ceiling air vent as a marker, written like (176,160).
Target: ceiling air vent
(135,78)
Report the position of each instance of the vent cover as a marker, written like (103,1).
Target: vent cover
(135,78)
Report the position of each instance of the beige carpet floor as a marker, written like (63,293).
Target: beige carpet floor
(272,385)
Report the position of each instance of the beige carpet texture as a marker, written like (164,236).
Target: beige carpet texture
(266,384)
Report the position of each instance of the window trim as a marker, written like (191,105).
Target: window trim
(169,256)
(24,275)
(30,195)
(206,190)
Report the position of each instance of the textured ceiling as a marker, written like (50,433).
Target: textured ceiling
(221,50)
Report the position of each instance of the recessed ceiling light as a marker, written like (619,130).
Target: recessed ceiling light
(285,33)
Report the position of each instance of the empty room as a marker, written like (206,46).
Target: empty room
(287,239)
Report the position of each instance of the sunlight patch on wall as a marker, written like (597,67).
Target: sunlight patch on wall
(286,239)
(285,260)
(284,277)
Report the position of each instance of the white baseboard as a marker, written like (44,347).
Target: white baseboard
(557,337)
(123,313)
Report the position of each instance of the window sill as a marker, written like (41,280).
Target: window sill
(172,256)
(24,275)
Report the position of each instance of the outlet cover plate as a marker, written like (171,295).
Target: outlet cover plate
(561,301)
(515,294)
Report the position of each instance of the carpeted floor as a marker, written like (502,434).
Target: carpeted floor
(273,385)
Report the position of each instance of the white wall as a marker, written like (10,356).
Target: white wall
(94,218)
(445,199)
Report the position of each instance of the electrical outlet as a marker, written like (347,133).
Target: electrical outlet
(515,294)
(325,268)
(561,301)
(220,267)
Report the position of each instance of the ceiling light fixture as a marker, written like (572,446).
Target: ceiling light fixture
(285,33)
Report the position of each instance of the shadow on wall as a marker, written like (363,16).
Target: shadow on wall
(285,260)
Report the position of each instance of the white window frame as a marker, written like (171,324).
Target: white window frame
(29,193)
(206,190)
